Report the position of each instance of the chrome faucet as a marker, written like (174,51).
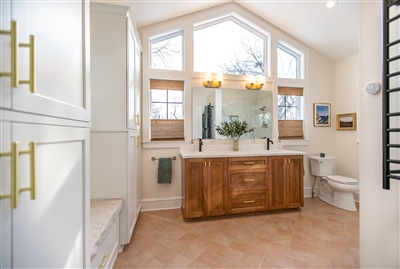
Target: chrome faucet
(200,144)
(269,141)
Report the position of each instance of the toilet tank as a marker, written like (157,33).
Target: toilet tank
(322,166)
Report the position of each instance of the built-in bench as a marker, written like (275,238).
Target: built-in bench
(104,231)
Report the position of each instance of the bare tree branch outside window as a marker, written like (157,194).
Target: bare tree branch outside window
(251,62)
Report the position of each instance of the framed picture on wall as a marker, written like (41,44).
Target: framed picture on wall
(322,114)
(346,122)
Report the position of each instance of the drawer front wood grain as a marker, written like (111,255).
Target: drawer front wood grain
(248,163)
(247,202)
(249,181)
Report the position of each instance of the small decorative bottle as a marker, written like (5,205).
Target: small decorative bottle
(191,146)
(280,145)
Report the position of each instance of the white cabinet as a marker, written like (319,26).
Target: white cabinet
(115,173)
(49,52)
(116,93)
(115,68)
(46,227)
(45,135)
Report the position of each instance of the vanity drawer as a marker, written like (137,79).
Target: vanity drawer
(247,202)
(248,181)
(247,163)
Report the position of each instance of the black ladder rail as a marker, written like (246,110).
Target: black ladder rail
(387,112)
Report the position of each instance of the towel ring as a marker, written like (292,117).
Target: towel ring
(153,158)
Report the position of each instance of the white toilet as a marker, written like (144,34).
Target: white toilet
(335,190)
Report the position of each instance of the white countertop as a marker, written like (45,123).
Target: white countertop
(241,153)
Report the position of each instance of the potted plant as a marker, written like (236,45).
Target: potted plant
(234,130)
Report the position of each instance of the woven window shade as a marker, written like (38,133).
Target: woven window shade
(292,91)
(290,129)
(161,84)
(167,130)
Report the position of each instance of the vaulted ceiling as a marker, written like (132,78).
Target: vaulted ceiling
(331,32)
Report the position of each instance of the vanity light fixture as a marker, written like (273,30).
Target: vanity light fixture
(330,4)
(210,82)
(255,82)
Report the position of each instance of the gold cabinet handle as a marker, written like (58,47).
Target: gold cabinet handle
(249,163)
(32,164)
(13,196)
(104,261)
(137,120)
(249,201)
(249,179)
(14,59)
(14,55)
(32,70)
(137,141)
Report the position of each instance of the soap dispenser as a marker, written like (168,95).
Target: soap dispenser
(191,146)
(280,145)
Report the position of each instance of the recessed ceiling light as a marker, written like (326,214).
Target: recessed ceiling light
(330,4)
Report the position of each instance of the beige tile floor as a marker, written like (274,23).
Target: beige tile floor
(318,236)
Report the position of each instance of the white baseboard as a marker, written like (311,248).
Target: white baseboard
(308,192)
(161,203)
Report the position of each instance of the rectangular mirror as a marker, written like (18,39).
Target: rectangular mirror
(213,105)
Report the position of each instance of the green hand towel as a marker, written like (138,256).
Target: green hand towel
(164,170)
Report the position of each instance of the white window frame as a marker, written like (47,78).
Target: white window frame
(295,53)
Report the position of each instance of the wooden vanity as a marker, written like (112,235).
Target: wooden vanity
(230,183)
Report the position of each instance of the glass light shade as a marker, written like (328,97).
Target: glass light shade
(219,77)
(261,79)
(252,78)
(208,77)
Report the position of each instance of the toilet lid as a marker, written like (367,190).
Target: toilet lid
(343,180)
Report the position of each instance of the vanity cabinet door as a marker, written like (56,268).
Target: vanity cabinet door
(193,205)
(277,184)
(215,186)
(295,182)
(204,187)
(286,182)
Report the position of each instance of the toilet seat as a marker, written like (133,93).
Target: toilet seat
(343,180)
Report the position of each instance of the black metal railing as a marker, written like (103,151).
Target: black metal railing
(391,92)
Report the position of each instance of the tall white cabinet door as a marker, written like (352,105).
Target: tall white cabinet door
(5,54)
(138,173)
(5,203)
(51,231)
(52,33)
(131,183)
(138,86)
(132,116)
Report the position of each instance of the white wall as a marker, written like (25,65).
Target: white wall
(379,209)
(346,92)
(319,88)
